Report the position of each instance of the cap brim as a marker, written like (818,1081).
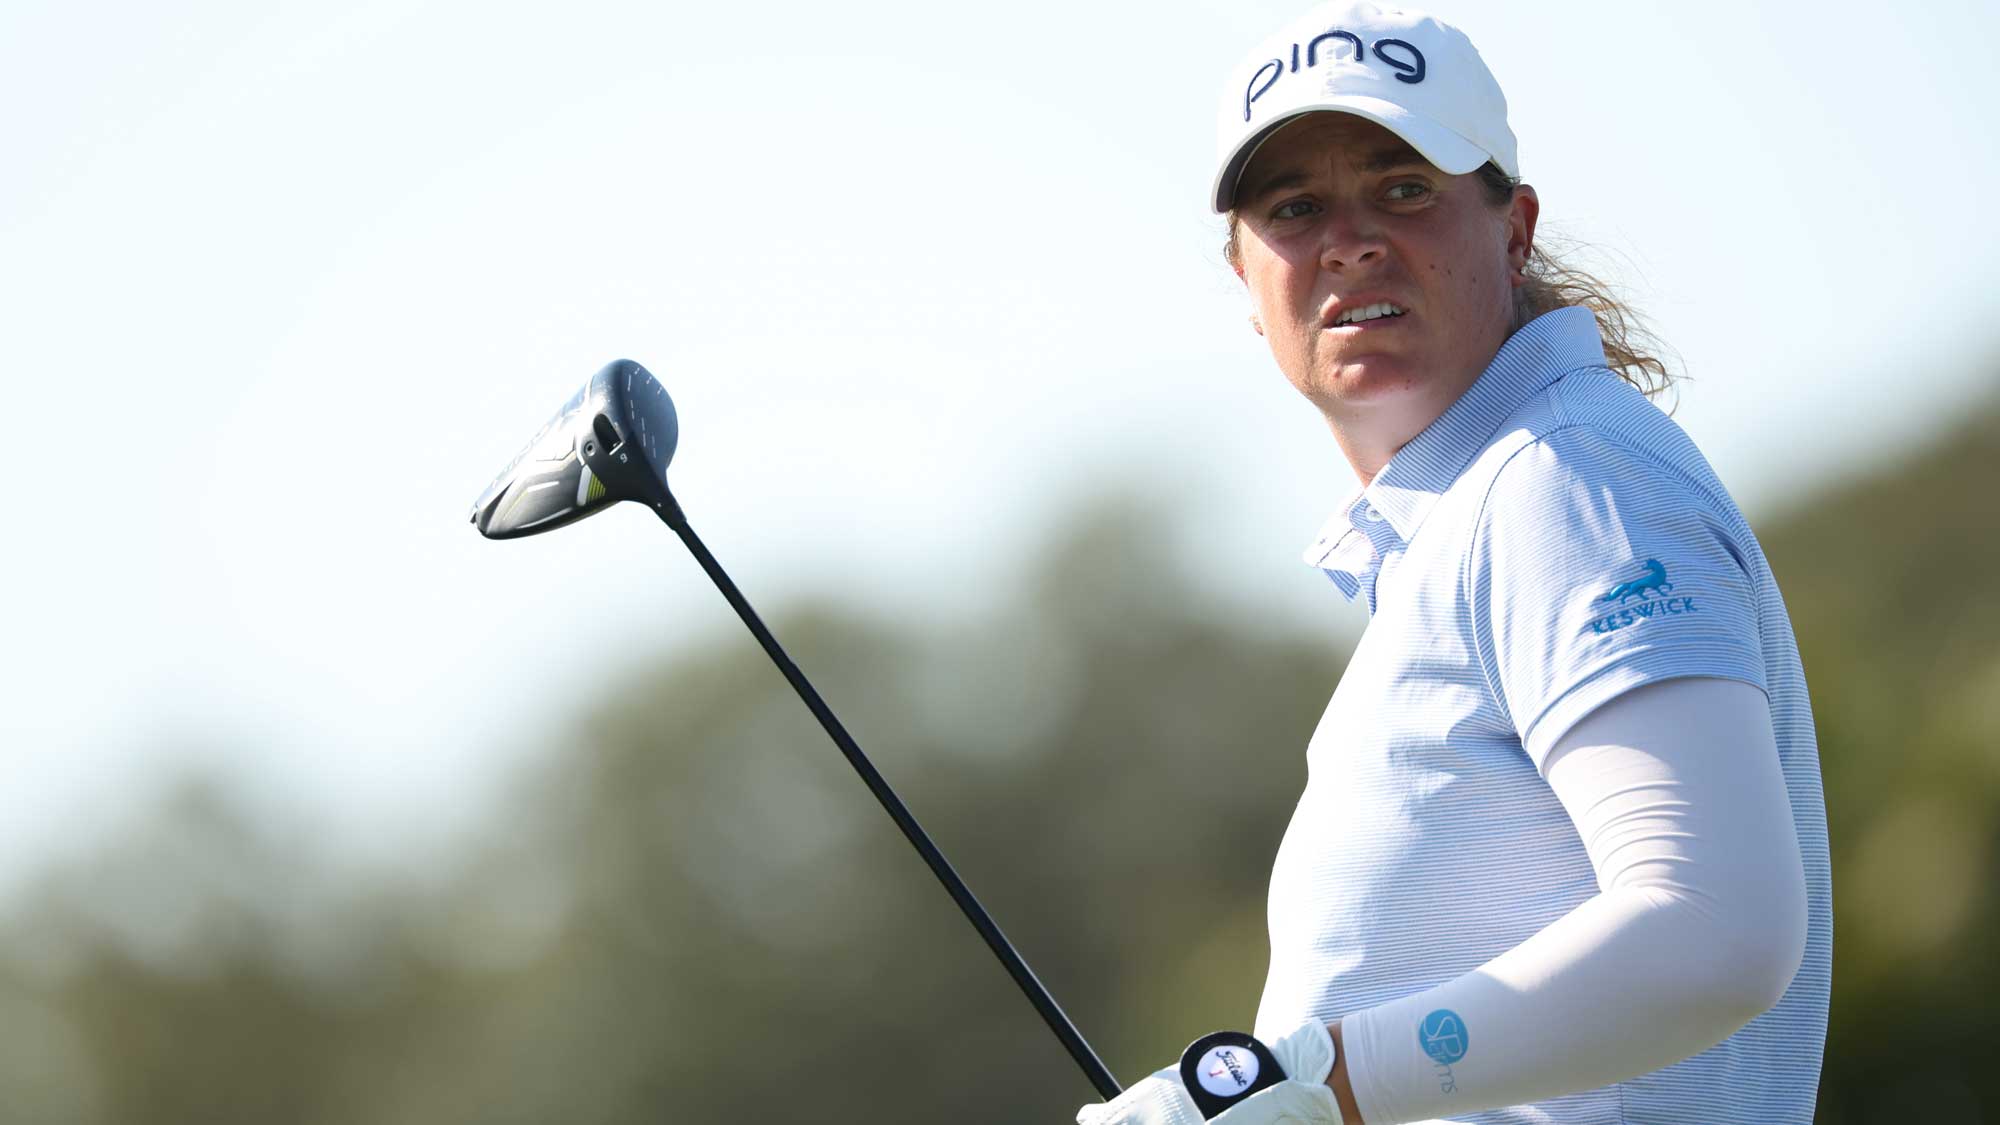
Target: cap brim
(1451,153)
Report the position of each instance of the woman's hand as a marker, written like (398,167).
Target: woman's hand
(1307,1056)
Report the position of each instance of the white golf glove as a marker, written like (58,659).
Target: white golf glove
(1306,1054)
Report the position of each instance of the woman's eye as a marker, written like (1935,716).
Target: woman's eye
(1297,208)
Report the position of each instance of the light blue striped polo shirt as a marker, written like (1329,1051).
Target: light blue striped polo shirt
(1551,541)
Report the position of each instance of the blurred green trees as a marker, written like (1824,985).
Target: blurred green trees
(1893,582)
(693,912)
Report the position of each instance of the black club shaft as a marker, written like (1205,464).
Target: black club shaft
(1052,1014)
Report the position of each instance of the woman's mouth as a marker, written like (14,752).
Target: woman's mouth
(1379,313)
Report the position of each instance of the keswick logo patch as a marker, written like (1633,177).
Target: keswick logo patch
(1653,581)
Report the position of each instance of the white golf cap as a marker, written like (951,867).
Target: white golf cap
(1406,71)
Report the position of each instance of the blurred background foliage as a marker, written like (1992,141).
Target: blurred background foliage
(690,910)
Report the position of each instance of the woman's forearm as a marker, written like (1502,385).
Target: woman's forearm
(1698,928)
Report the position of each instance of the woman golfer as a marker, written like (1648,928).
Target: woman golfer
(1561,854)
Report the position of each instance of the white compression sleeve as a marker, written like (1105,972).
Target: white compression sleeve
(1699,926)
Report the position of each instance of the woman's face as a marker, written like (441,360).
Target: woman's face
(1336,215)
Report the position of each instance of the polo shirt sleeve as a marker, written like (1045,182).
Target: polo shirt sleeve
(1596,569)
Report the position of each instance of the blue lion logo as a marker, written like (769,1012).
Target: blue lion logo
(1654,581)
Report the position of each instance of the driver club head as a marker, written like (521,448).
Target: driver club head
(611,441)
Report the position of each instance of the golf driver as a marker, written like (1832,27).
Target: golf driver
(612,441)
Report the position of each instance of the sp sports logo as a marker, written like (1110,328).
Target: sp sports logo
(1443,1037)
(1649,586)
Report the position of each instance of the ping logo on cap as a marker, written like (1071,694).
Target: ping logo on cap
(1399,55)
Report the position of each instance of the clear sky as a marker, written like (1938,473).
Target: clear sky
(283,284)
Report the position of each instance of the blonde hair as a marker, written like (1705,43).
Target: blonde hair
(1630,347)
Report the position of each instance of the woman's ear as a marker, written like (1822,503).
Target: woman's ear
(1521,216)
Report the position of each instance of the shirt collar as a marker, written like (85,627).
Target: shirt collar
(1409,486)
